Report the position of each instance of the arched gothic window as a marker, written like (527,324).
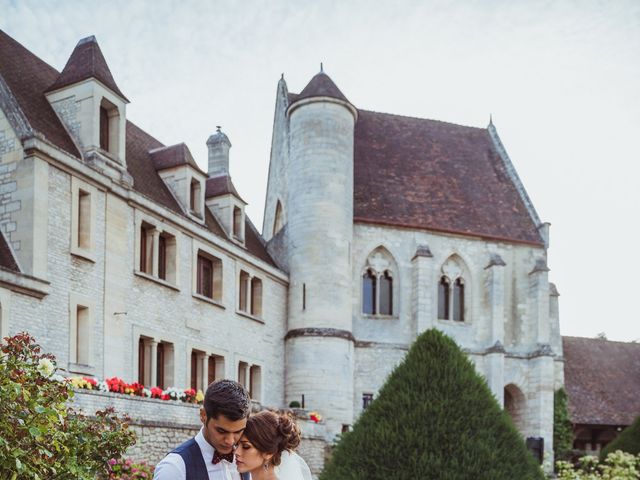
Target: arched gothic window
(451,291)
(386,293)
(443,298)
(377,284)
(458,300)
(369,292)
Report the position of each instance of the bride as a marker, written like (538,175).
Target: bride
(266,449)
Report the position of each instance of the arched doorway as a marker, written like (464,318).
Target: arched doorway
(514,404)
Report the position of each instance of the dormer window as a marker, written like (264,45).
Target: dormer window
(104,129)
(237,223)
(109,125)
(194,198)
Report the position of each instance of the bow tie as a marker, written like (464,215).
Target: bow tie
(217,457)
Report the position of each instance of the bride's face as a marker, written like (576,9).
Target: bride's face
(248,457)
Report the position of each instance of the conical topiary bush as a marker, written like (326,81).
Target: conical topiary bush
(628,441)
(435,418)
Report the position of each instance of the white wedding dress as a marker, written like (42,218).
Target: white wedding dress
(292,467)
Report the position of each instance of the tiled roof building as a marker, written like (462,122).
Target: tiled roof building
(602,380)
(376,228)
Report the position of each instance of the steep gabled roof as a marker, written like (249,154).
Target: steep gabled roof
(418,173)
(602,379)
(86,61)
(321,85)
(173,156)
(221,185)
(27,78)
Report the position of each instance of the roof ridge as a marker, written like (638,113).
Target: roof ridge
(412,117)
(630,342)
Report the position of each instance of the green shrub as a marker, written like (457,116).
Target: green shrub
(628,441)
(294,404)
(616,466)
(41,437)
(562,427)
(435,418)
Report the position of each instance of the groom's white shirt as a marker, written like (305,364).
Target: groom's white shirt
(172,466)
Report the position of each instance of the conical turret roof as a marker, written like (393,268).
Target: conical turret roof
(321,85)
(86,61)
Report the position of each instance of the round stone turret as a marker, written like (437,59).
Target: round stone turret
(320,345)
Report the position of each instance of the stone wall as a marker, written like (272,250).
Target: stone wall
(162,425)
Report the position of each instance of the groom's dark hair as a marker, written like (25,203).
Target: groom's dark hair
(228,398)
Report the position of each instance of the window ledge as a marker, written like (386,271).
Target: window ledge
(81,369)
(444,321)
(83,254)
(369,316)
(252,317)
(156,280)
(204,298)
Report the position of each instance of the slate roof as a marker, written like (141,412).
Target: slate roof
(602,379)
(412,172)
(418,173)
(321,86)
(220,185)
(86,61)
(7,260)
(28,78)
(173,156)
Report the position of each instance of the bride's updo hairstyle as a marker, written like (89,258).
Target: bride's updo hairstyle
(272,433)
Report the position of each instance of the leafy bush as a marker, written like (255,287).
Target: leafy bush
(40,435)
(435,418)
(562,427)
(617,466)
(128,470)
(628,441)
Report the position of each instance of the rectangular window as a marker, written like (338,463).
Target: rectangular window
(243,303)
(162,257)
(205,276)
(367,398)
(256,297)
(195,370)
(237,223)
(141,361)
(84,219)
(104,129)
(146,247)
(243,374)
(160,364)
(255,382)
(83,335)
(216,368)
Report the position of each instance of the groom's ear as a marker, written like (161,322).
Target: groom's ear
(203,416)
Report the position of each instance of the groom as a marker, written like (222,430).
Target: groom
(209,455)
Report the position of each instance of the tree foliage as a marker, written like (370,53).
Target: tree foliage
(616,466)
(41,436)
(435,418)
(628,441)
(562,426)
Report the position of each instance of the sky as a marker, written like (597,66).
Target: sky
(560,78)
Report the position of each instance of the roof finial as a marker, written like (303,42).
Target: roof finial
(321,69)
(491,119)
(218,128)
(282,76)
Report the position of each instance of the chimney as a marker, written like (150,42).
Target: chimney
(218,145)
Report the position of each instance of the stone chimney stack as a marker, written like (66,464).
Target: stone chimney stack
(219,146)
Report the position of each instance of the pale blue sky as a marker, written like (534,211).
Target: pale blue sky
(561,79)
